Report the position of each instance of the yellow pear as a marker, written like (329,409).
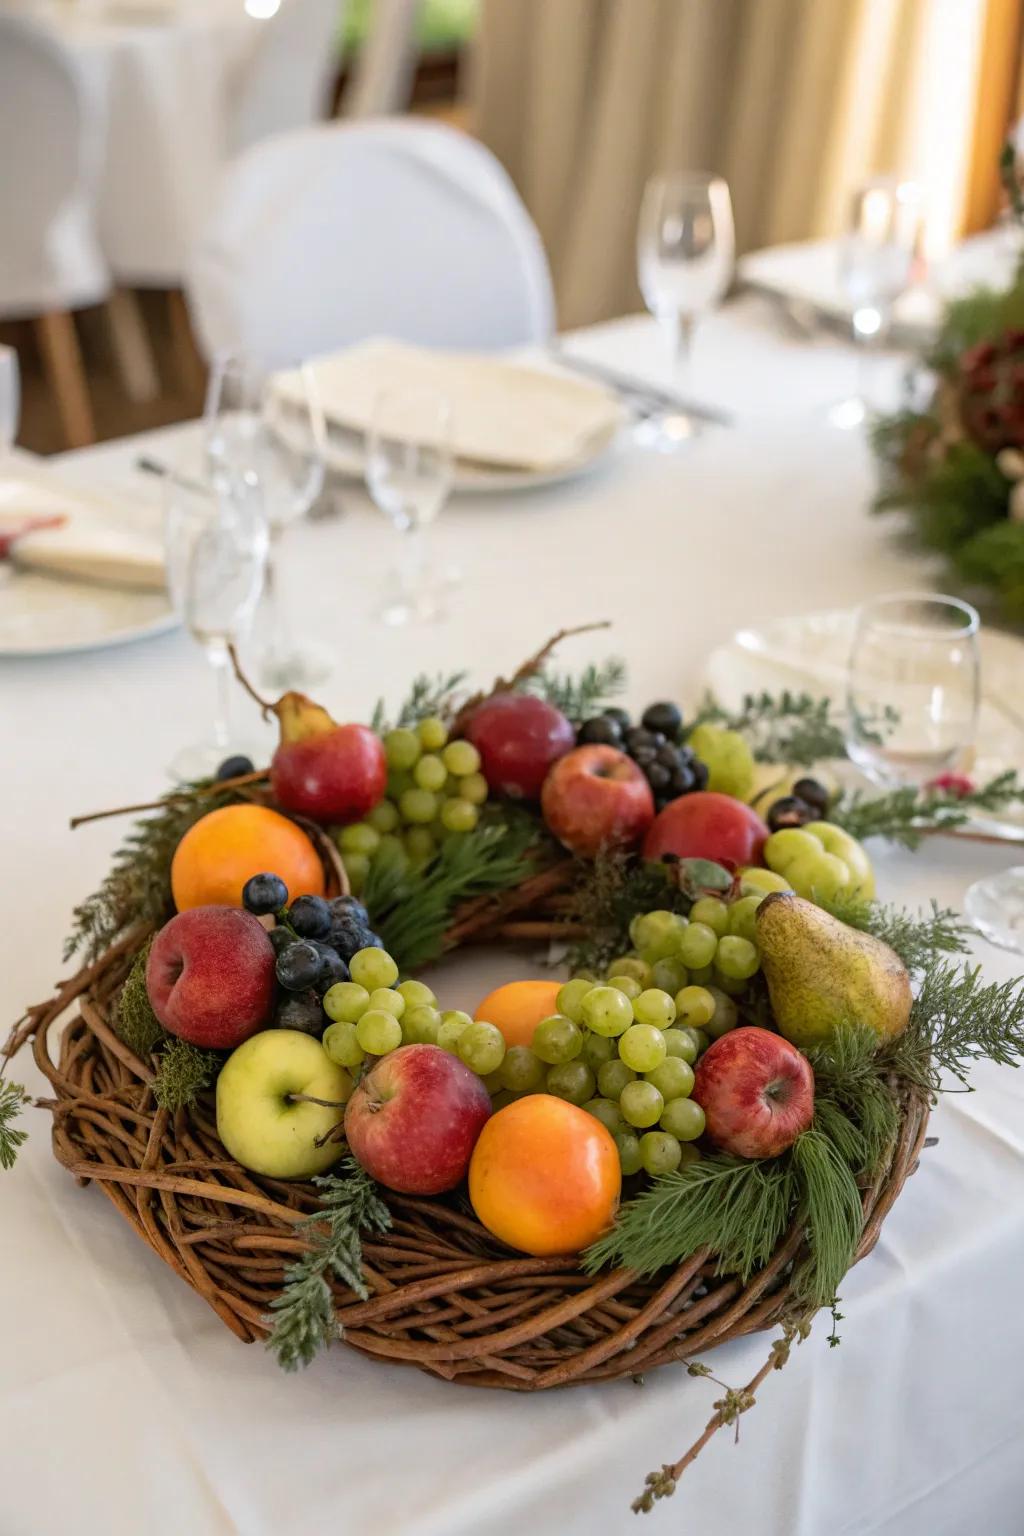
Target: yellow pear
(822,974)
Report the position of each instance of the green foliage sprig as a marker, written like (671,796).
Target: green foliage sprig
(787,727)
(412,909)
(302,1316)
(182,1074)
(920,939)
(906,815)
(582,695)
(427,696)
(957,1019)
(137,888)
(13,1098)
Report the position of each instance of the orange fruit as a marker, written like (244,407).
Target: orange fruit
(545,1176)
(518,1007)
(218,854)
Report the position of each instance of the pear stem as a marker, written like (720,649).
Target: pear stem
(266,708)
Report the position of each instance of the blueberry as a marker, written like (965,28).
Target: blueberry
(298,966)
(264,893)
(789,811)
(658,776)
(332,966)
(281,938)
(602,730)
(346,935)
(310,916)
(302,1012)
(234,767)
(664,717)
(620,716)
(813,794)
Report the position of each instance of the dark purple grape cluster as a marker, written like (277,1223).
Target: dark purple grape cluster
(655,745)
(314,940)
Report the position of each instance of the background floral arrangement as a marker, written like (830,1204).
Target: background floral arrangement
(956,465)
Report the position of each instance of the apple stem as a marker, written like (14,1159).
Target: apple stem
(309,1098)
(265,705)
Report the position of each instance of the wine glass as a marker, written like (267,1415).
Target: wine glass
(272,428)
(685,252)
(913,687)
(409,468)
(876,261)
(215,541)
(10,399)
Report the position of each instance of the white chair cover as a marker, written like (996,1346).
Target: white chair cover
(289,79)
(49,254)
(335,233)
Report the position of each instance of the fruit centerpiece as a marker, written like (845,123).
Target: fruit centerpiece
(687,1131)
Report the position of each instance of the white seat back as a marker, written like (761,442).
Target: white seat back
(49,255)
(288,81)
(340,232)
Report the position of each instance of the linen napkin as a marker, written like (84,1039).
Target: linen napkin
(86,541)
(504,414)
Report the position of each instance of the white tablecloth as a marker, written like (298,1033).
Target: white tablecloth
(162,79)
(126,1407)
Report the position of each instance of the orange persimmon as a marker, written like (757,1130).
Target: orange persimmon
(219,853)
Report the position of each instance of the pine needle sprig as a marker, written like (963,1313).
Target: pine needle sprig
(13,1099)
(584,694)
(137,887)
(411,910)
(788,727)
(855,1104)
(302,1316)
(183,1073)
(738,1208)
(834,1217)
(958,1019)
(427,696)
(135,1022)
(905,815)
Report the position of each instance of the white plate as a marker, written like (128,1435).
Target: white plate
(345,457)
(809,654)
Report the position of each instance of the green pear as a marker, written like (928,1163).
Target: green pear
(822,974)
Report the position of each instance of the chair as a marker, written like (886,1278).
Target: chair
(50,261)
(399,228)
(289,80)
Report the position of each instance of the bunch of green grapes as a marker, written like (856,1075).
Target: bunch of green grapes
(714,945)
(435,790)
(374,1013)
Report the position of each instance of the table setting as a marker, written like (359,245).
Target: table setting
(580,748)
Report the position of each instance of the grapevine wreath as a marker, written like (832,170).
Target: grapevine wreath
(712,1105)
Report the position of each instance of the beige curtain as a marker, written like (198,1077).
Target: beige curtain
(791,100)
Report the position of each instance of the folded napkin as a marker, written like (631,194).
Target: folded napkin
(504,414)
(85,541)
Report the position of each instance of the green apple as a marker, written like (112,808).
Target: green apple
(262,1119)
(820,858)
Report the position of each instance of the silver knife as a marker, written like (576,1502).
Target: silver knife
(631,388)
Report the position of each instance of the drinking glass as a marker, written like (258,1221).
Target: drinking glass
(272,428)
(215,541)
(914,657)
(409,468)
(10,399)
(685,252)
(876,260)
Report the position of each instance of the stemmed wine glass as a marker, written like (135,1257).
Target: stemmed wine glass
(876,261)
(272,428)
(215,540)
(409,469)
(914,659)
(685,253)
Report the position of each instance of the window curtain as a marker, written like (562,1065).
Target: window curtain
(793,101)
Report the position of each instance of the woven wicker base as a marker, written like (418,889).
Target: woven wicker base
(445,1295)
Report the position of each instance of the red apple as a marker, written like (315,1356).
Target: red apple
(597,797)
(210,976)
(322,770)
(414,1119)
(518,738)
(756,1091)
(707,825)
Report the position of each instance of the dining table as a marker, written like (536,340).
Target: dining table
(159,165)
(125,1405)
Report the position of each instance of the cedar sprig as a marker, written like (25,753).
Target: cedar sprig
(921,939)
(608,895)
(584,694)
(13,1098)
(303,1320)
(427,696)
(183,1073)
(958,1019)
(789,727)
(907,814)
